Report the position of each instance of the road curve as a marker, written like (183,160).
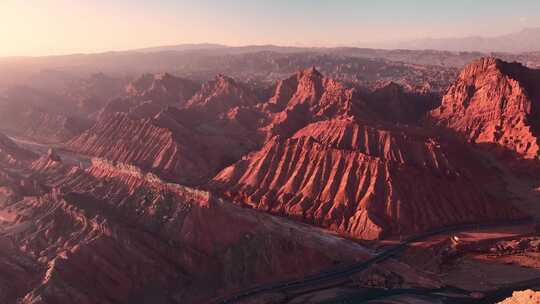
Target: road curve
(337,273)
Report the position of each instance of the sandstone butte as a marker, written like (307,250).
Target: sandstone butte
(494,102)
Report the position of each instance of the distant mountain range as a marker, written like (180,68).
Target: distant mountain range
(526,40)
(182,47)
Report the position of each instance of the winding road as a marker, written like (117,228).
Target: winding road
(327,276)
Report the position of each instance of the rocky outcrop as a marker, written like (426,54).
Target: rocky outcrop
(306,97)
(222,94)
(365,182)
(494,102)
(523,297)
(149,94)
(170,151)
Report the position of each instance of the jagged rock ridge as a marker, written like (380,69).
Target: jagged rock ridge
(364,181)
(494,102)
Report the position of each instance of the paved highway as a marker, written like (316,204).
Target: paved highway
(333,274)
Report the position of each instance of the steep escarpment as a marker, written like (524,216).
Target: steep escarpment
(366,182)
(494,102)
(147,144)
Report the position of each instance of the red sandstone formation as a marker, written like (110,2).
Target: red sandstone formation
(494,102)
(222,94)
(188,145)
(523,297)
(306,97)
(364,181)
(163,89)
(360,178)
(329,158)
(317,151)
(113,233)
(48,162)
(147,95)
(169,149)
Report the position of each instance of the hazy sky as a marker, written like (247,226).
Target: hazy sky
(43,27)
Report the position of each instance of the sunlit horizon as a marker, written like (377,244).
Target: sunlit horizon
(56,27)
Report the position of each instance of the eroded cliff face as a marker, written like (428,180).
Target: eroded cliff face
(306,97)
(113,233)
(146,144)
(149,94)
(328,155)
(494,102)
(188,145)
(366,182)
(222,94)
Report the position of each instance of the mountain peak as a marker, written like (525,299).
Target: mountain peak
(494,102)
(311,72)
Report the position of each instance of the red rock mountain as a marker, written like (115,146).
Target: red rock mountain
(331,157)
(366,181)
(147,95)
(309,96)
(222,94)
(115,234)
(164,89)
(189,145)
(495,102)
